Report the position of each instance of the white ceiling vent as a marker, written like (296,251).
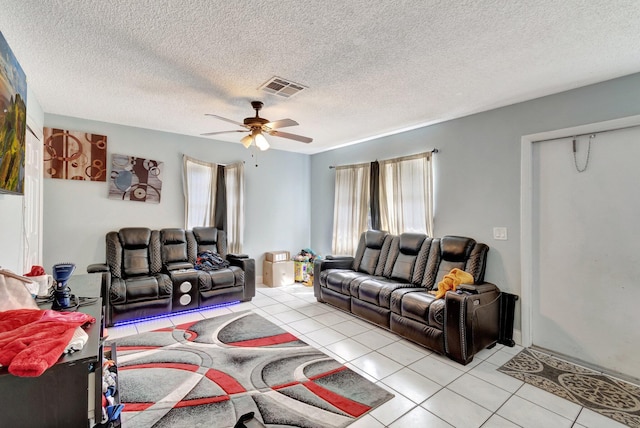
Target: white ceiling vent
(282,87)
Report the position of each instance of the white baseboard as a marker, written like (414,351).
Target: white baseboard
(517,336)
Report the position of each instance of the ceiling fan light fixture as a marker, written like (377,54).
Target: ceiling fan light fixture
(246,141)
(261,142)
(258,126)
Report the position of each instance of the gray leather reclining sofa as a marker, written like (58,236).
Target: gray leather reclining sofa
(388,281)
(151,272)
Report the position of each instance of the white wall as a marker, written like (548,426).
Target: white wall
(11,232)
(11,207)
(78,214)
(570,286)
(477,169)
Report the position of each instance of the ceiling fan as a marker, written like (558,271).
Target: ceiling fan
(258,126)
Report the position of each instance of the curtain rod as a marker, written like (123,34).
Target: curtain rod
(587,133)
(221,164)
(428,151)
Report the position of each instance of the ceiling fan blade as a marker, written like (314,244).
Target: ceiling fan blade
(281,123)
(291,136)
(226,120)
(223,132)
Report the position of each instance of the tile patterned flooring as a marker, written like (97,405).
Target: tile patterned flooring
(430,390)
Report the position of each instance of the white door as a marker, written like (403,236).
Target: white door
(32,248)
(586,250)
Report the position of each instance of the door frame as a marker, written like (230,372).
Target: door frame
(32,204)
(526,209)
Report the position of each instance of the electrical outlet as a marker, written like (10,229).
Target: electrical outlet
(500,233)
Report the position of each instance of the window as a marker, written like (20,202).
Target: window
(403,199)
(234,183)
(204,188)
(406,194)
(350,208)
(199,192)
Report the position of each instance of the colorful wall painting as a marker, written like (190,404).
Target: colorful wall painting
(74,155)
(135,179)
(13,121)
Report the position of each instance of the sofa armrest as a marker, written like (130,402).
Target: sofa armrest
(248,266)
(335,257)
(477,288)
(330,262)
(97,267)
(105,288)
(243,263)
(237,256)
(170,267)
(471,321)
(342,262)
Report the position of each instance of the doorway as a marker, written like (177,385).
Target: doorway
(580,245)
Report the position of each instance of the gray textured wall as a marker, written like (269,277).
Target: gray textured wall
(477,169)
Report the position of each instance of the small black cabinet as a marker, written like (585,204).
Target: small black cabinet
(68,394)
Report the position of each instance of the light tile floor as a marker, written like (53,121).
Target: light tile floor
(430,390)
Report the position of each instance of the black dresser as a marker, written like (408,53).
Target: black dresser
(68,394)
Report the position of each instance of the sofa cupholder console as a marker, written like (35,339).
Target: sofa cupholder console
(185,289)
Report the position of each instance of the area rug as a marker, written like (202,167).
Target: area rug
(608,396)
(210,372)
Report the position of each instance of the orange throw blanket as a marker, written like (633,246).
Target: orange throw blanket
(452,280)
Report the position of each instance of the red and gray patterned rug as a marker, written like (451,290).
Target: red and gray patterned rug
(208,373)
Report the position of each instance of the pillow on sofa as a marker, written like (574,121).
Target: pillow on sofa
(452,280)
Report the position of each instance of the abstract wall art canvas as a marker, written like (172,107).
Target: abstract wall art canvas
(135,179)
(75,155)
(13,121)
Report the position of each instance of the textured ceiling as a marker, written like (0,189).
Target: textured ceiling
(371,67)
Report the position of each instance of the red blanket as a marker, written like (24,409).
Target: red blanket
(32,340)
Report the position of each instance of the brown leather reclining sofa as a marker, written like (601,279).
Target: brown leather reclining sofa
(151,272)
(388,281)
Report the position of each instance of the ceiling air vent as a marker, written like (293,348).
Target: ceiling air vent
(282,87)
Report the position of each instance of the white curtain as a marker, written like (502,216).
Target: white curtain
(406,194)
(234,177)
(199,184)
(350,208)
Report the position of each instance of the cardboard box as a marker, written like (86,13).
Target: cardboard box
(277,256)
(276,274)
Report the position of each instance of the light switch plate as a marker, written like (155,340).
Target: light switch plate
(500,233)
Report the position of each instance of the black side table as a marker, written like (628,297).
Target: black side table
(68,393)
